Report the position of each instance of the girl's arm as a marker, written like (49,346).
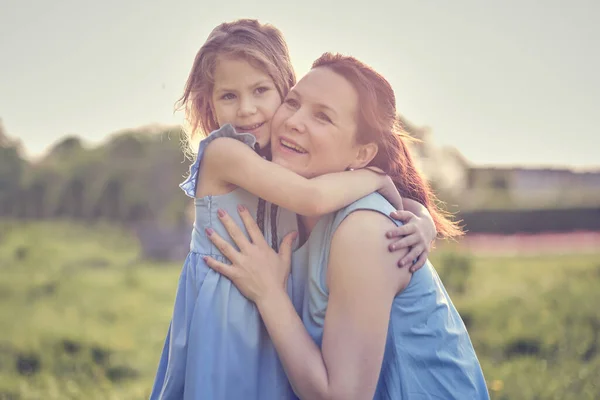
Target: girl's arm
(235,163)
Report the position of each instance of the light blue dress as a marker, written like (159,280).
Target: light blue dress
(428,353)
(217,346)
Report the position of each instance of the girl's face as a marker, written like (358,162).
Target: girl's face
(245,97)
(314,130)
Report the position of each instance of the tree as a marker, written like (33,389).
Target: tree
(11,166)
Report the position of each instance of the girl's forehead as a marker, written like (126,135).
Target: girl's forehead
(238,72)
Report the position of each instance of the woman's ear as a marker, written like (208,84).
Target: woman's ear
(365,154)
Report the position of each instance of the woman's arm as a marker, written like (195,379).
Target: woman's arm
(363,281)
(235,163)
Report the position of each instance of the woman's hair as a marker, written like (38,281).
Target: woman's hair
(378,122)
(262,45)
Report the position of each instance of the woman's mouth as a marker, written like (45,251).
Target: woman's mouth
(292,146)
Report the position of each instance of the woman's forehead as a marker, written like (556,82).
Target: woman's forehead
(325,87)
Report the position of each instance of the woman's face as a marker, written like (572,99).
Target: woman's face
(314,131)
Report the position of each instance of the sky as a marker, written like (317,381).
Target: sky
(506,82)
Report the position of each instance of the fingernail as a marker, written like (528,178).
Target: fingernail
(391,247)
(205,258)
(221,213)
(294,236)
(388,235)
(241,208)
(209,231)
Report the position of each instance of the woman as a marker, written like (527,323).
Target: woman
(366,329)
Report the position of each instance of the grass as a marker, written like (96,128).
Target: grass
(82,316)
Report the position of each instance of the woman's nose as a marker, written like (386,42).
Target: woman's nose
(296,122)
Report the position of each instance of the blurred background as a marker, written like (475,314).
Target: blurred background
(94,229)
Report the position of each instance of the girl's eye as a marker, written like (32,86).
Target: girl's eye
(228,96)
(261,89)
(292,103)
(323,117)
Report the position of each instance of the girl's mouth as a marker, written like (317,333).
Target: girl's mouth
(249,128)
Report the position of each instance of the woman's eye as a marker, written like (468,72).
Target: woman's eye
(323,117)
(228,96)
(292,103)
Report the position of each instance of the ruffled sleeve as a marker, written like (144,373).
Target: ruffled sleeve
(189,185)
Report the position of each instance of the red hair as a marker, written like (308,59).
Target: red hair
(378,122)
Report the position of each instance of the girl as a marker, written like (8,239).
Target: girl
(216,346)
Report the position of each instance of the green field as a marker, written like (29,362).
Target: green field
(82,317)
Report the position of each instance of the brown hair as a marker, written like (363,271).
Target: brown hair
(378,122)
(262,45)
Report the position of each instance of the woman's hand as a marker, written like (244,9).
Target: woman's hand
(256,270)
(417,233)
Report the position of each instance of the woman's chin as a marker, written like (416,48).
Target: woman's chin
(287,164)
(282,161)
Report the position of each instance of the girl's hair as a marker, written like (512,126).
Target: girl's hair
(378,122)
(262,45)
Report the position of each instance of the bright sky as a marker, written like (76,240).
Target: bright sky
(506,82)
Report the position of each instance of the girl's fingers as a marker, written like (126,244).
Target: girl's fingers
(402,215)
(419,262)
(404,243)
(403,230)
(412,255)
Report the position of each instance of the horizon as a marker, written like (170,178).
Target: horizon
(158,127)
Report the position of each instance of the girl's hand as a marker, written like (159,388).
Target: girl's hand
(388,188)
(390,192)
(417,234)
(256,270)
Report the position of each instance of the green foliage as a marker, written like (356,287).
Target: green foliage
(534,323)
(454,269)
(134,175)
(81,316)
(12,168)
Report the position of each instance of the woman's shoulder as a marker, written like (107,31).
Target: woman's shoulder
(372,202)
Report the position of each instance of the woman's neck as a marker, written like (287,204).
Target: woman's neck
(308,224)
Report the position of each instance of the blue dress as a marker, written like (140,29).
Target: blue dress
(217,346)
(428,353)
